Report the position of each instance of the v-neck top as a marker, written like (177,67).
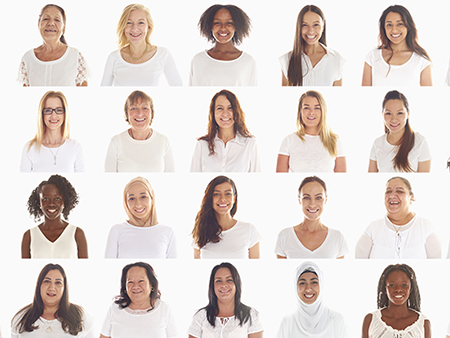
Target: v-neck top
(64,246)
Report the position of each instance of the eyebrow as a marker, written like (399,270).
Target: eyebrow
(304,279)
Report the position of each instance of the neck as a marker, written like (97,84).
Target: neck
(138,49)
(395,138)
(397,311)
(144,305)
(312,49)
(53,45)
(52,136)
(311,226)
(53,223)
(49,312)
(226,221)
(226,309)
(312,131)
(224,47)
(226,134)
(140,223)
(402,218)
(140,135)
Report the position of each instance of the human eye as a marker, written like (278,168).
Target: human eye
(230,280)
(131,199)
(301,283)
(306,197)
(45,281)
(319,198)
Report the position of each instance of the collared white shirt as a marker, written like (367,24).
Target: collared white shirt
(238,155)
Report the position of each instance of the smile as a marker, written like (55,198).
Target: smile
(309,296)
(313,211)
(395,36)
(135,35)
(139,211)
(222,205)
(311,118)
(394,203)
(311,37)
(223,35)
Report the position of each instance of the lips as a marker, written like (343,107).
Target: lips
(396,36)
(139,211)
(309,296)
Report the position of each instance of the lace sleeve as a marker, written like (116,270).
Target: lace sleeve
(82,70)
(23,74)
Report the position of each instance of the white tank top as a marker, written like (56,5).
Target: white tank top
(65,245)
(379,329)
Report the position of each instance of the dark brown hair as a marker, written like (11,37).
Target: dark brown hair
(63,14)
(312,179)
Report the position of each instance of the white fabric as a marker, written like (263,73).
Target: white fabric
(328,70)
(126,154)
(448,329)
(126,323)
(129,241)
(309,156)
(234,243)
(407,74)
(379,329)
(239,155)
(383,153)
(65,245)
(56,328)
(414,240)
(69,158)
(289,246)
(201,328)
(118,72)
(206,71)
(447,78)
(69,70)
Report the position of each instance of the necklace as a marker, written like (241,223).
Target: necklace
(131,132)
(140,57)
(55,155)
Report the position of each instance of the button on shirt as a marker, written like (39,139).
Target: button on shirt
(238,155)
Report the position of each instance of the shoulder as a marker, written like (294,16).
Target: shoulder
(379,141)
(203,55)
(120,137)
(419,138)
(286,232)
(200,315)
(335,233)
(247,57)
(285,57)
(29,53)
(423,222)
(159,136)
(375,225)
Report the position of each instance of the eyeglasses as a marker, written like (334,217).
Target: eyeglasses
(49,111)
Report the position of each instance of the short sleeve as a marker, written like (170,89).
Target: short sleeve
(171,329)
(169,164)
(82,70)
(106,327)
(23,74)
(108,73)
(285,147)
(343,247)
(255,325)
(26,166)
(425,153)
(373,152)
(255,165)
(363,246)
(172,246)
(112,245)
(340,63)
(369,58)
(255,237)
(280,246)
(195,329)
(284,63)
(88,322)
(433,246)
(340,148)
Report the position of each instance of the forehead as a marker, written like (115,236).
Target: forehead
(137,272)
(397,183)
(394,105)
(222,101)
(222,273)
(310,100)
(137,14)
(52,11)
(393,17)
(53,102)
(308,276)
(395,275)
(223,13)
(312,188)
(311,17)
(54,274)
(223,187)
(50,189)
(135,189)
(140,101)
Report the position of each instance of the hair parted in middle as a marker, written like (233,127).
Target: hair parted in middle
(238,117)
(153,219)
(123,40)
(414,296)
(133,98)
(328,138)
(405,181)
(310,179)
(64,19)
(206,226)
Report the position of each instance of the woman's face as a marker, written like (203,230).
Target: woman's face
(311,114)
(223,113)
(395,116)
(223,198)
(312,27)
(308,287)
(312,198)
(139,201)
(140,115)
(51,24)
(398,198)
(51,202)
(137,27)
(396,30)
(52,288)
(398,287)
(138,285)
(53,113)
(224,286)
(223,26)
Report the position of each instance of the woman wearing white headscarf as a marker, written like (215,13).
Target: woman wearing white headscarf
(312,318)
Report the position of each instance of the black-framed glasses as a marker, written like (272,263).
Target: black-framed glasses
(49,111)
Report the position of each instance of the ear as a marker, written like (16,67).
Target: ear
(299,200)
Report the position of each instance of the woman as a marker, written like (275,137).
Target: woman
(400,148)
(225,316)
(137,62)
(225,26)
(312,318)
(311,238)
(51,314)
(401,233)
(138,311)
(311,62)
(216,233)
(52,149)
(53,63)
(313,147)
(398,313)
(228,146)
(141,235)
(399,60)
(54,237)
(139,148)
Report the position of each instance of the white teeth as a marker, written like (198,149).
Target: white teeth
(395,35)
(311,36)
(223,34)
(309,296)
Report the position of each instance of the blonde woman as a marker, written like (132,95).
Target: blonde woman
(313,147)
(141,236)
(137,62)
(52,149)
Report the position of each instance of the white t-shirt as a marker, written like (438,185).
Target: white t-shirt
(69,70)
(414,240)
(383,153)
(239,155)
(201,328)
(379,329)
(69,158)
(288,245)
(407,74)
(118,72)
(126,154)
(127,323)
(64,246)
(309,156)
(328,70)
(129,241)
(234,243)
(206,71)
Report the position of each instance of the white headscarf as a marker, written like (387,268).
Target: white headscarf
(312,319)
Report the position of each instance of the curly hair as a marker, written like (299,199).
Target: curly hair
(414,296)
(242,23)
(67,191)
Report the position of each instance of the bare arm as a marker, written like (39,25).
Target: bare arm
(425,77)
(253,252)
(366,324)
(284,81)
(427,328)
(281,257)
(282,163)
(367,75)
(197,254)
(102,336)
(26,239)
(80,238)
(256,335)
(338,83)
(340,165)
(424,167)
(342,257)
(373,166)
(83,84)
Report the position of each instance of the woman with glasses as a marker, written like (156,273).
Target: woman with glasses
(52,149)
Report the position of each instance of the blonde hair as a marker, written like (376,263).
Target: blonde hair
(153,219)
(328,138)
(133,98)
(123,40)
(42,128)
